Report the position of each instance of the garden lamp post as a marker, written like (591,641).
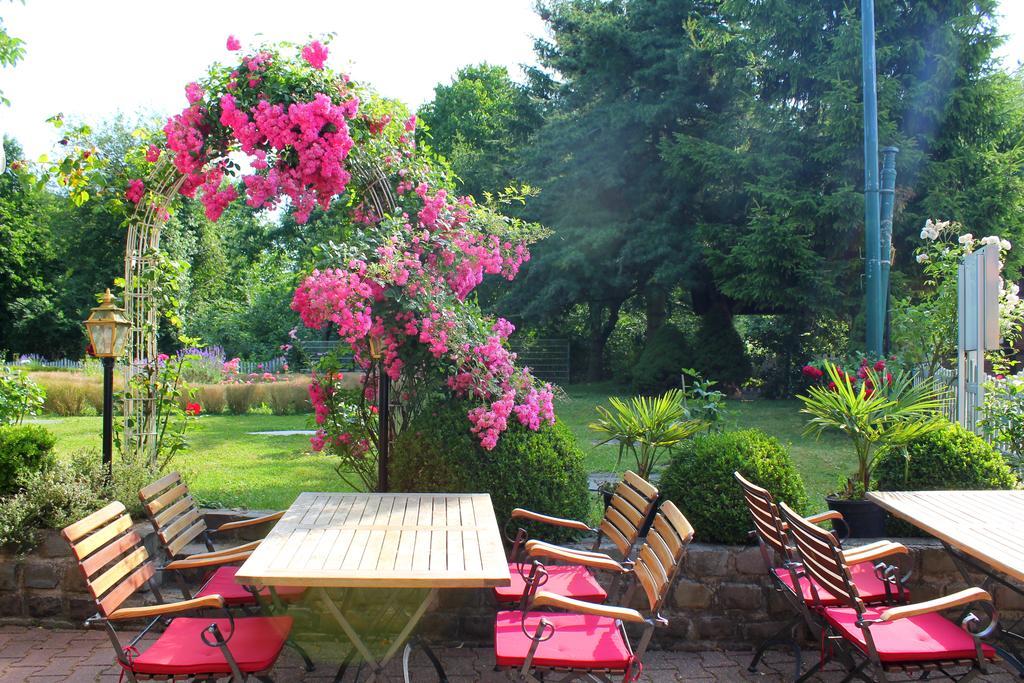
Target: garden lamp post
(108,330)
(383,416)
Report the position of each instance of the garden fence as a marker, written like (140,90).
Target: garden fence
(60,364)
(547,358)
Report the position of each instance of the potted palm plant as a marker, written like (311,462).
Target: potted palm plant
(877,411)
(646,428)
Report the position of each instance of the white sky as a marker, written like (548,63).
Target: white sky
(92,59)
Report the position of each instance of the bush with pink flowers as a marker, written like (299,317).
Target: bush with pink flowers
(309,135)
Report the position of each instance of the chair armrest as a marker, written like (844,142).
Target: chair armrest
(964,597)
(824,516)
(870,554)
(546,599)
(205,602)
(242,523)
(520,513)
(197,563)
(248,547)
(574,551)
(555,553)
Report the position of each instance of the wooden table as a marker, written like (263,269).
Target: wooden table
(381,540)
(982,530)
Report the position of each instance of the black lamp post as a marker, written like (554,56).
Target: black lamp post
(383,417)
(108,331)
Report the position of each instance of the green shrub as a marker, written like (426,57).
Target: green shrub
(699,480)
(70,489)
(950,458)
(23,449)
(542,470)
(660,364)
(20,396)
(719,353)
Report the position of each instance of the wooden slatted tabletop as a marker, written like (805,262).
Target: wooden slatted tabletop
(987,525)
(382,540)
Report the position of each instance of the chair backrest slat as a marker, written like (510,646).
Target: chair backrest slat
(631,503)
(620,541)
(173,512)
(822,557)
(110,555)
(661,556)
(767,522)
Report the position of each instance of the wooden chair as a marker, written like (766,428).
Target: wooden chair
(589,640)
(176,518)
(878,583)
(910,639)
(631,504)
(177,521)
(115,565)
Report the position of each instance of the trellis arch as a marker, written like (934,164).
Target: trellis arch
(142,307)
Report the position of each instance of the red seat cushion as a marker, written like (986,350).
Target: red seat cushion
(255,645)
(869,586)
(570,581)
(580,641)
(927,637)
(223,583)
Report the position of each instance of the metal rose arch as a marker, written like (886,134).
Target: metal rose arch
(275,127)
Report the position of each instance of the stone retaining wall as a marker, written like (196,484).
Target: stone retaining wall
(722,598)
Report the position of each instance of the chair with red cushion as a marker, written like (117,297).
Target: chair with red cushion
(904,640)
(115,564)
(585,640)
(176,518)
(631,504)
(878,583)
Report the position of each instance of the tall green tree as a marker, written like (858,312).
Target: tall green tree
(479,122)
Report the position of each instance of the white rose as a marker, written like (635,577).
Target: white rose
(922,258)
(966,238)
(991,239)
(1005,245)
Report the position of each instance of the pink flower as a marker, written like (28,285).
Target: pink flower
(162,358)
(233,44)
(410,124)
(136,190)
(315,54)
(194,92)
(152,153)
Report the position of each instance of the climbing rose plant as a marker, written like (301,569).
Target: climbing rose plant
(408,276)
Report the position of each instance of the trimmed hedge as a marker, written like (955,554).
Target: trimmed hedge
(542,470)
(24,449)
(699,480)
(950,458)
(660,365)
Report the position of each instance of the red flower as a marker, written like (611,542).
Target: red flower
(888,378)
(879,366)
(832,386)
(193,409)
(90,351)
(812,372)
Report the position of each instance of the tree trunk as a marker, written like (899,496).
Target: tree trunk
(656,309)
(599,331)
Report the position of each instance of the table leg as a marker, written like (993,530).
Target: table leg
(377,667)
(1010,645)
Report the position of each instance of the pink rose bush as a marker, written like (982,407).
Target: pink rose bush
(408,278)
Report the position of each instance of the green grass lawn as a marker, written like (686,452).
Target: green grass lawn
(227,466)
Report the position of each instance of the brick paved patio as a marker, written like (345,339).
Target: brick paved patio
(34,654)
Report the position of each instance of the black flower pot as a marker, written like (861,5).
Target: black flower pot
(864,519)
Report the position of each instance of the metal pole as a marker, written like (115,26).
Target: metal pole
(384,430)
(888,203)
(108,416)
(871,199)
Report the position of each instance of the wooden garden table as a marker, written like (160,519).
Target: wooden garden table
(983,531)
(382,541)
